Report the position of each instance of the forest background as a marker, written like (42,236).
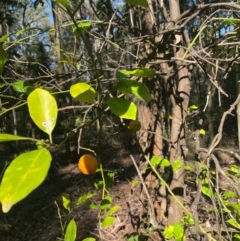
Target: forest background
(74,74)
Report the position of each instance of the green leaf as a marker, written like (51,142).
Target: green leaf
(122,108)
(168,232)
(141,72)
(161,162)
(236,237)
(108,221)
(9,137)
(164,163)
(188,220)
(28,29)
(5,37)
(3,59)
(83,92)
(25,173)
(43,110)
(71,231)
(106,202)
(113,210)
(66,201)
(142,3)
(155,160)
(140,90)
(192,107)
(23,87)
(177,165)
(85,197)
(91,205)
(202,132)
(89,239)
(229,194)
(82,27)
(234,223)
(205,188)
(175,231)
(65,4)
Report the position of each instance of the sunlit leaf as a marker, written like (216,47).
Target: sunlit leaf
(140,90)
(108,221)
(177,165)
(164,163)
(66,201)
(89,239)
(71,231)
(113,210)
(141,72)
(82,26)
(234,223)
(25,173)
(123,108)
(43,109)
(192,107)
(5,37)
(83,92)
(9,137)
(202,132)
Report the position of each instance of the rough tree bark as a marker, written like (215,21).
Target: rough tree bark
(178,149)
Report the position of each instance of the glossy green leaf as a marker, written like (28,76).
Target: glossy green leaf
(106,202)
(234,223)
(3,59)
(142,3)
(107,222)
(140,90)
(82,27)
(122,108)
(43,109)
(141,72)
(71,231)
(23,87)
(83,92)
(65,4)
(24,174)
(113,210)
(66,201)
(177,165)
(89,239)
(9,137)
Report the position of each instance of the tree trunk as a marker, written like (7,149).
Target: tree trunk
(178,149)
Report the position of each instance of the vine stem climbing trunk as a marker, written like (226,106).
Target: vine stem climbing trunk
(178,149)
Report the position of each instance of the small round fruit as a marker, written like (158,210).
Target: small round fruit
(134,125)
(88,164)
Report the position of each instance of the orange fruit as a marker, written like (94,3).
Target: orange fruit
(88,164)
(134,125)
